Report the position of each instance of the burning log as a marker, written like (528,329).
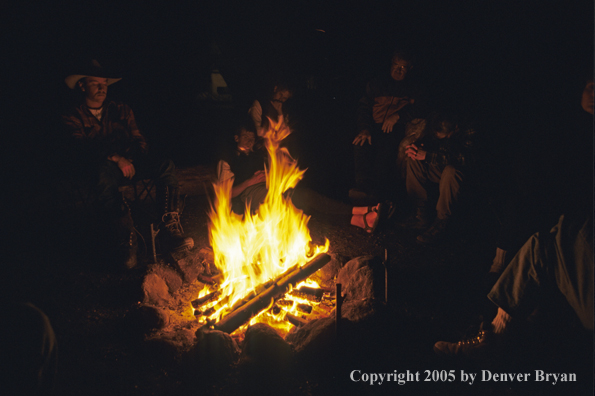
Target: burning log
(200,301)
(209,311)
(305,308)
(308,293)
(238,317)
(295,320)
(206,312)
(209,279)
(259,289)
(284,303)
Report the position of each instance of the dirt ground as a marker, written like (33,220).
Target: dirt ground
(435,293)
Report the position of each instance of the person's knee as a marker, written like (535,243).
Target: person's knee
(450,174)
(413,167)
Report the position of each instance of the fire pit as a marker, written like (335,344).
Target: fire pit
(295,300)
(262,257)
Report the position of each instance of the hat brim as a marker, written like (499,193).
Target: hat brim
(74,78)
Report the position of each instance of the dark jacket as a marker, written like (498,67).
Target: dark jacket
(243,165)
(383,98)
(96,140)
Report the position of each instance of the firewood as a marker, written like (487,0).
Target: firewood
(284,303)
(238,317)
(209,311)
(308,293)
(295,320)
(206,312)
(312,291)
(200,301)
(209,279)
(305,308)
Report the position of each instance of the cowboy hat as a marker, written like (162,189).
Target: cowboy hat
(94,69)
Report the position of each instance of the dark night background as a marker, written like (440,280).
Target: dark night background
(502,61)
(505,64)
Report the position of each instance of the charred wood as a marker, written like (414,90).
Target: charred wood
(305,308)
(295,320)
(238,317)
(209,279)
(200,301)
(308,293)
(206,312)
(284,303)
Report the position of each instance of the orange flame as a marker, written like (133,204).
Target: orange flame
(256,248)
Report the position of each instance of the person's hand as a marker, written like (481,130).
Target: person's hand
(390,122)
(362,137)
(258,177)
(126,167)
(278,106)
(415,153)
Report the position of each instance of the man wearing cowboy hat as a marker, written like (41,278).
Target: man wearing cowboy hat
(109,146)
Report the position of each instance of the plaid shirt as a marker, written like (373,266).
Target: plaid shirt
(115,133)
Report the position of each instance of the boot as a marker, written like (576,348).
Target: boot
(126,240)
(172,231)
(482,346)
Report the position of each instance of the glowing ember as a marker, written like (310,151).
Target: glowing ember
(252,250)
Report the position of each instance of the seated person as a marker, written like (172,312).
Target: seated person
(382,114)
(271,106)
(245,165)
(549,265)
(108,148)
(541,188)
(556,263)
(438,159)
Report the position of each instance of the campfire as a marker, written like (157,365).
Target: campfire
(263,259)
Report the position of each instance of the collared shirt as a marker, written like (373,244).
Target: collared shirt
(115,133)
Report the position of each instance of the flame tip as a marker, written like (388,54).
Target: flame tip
(253,250)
